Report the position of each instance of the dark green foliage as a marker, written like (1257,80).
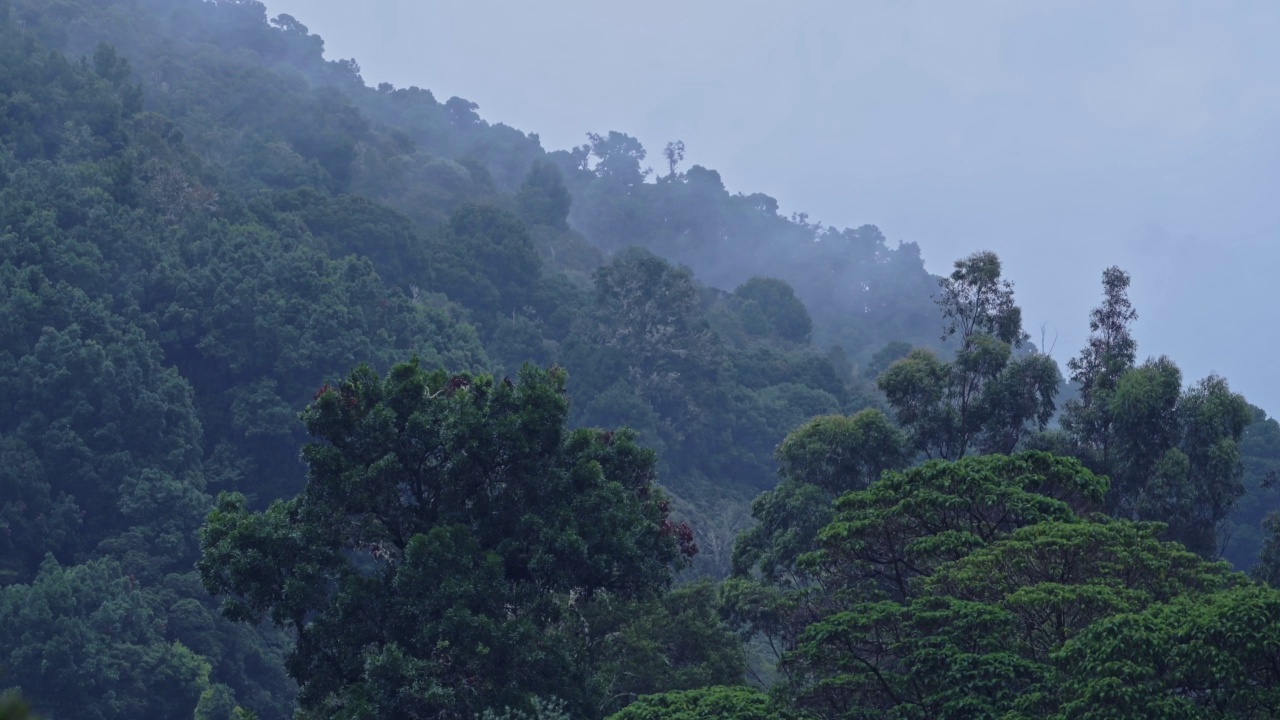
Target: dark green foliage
(448,526)
(884,357)
(1260,457)
(1173,454)
(352,225)
(987,399)
(99,442)
(193,239)
(1110,353)
(85,641)
(12,707)
(486,261)
(770,307)
(543,199)
(1267,569)
(677,642)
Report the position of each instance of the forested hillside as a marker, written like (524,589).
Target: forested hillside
(339,401)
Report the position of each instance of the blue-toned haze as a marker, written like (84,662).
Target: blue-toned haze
(1066,136)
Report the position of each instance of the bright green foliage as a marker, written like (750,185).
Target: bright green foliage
(908,523)
(712,703)
(947,590)
(824,457)
(883,539)
(839,454)
(445,520)
(986,399)
(1207,656)
(819,460)
(1057,578)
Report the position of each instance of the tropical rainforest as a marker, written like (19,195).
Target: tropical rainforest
(332,400)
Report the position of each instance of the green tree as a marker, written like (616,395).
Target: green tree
(712,703)
(646,328)
(839,453)
(1267,569)
(782,313)
(543,199)
(1173,454)
(447,526)
(1110,352)
(99,441)
(947,591)
(986,399)
(1197,656)
(85,641)
(1176,456)
(676,642)
(618,157)
(486,261)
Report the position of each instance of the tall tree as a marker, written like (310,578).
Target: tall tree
(1109,353)
(674,155)
(449,531)
(986,399)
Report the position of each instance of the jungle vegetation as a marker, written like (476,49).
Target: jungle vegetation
(330,400)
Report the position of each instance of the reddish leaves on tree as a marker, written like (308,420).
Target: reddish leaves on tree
(684,535)
(456,383)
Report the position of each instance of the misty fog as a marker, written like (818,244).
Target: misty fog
(1065,136)
(568,361)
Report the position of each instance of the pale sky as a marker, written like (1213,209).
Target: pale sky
(1065,136)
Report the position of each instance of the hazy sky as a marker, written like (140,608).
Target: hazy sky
(1066,136)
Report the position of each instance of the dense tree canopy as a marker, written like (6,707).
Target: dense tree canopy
(450,530)
(205,225)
